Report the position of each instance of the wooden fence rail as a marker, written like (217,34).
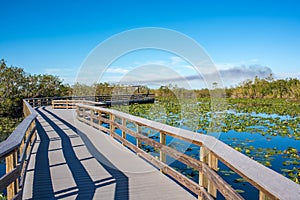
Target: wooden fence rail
(270,184)
(15,150)
(71,103)
(105,99)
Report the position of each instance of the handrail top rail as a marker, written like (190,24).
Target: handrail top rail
(77,100)
(15,138)
(256,173)
(87,96)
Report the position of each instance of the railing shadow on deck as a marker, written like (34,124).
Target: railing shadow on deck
(85,185)
(42,176)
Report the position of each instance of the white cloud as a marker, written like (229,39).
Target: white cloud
(58,70)
(153,62)
(221,66)
(188,67)
(175,60)
(117,70)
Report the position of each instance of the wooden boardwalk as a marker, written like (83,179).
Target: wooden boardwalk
(72,160)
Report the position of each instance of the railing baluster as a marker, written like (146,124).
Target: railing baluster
(162,140)
(212,163)
(202,179)
(123,132)
(263,196)
(99,119)
(139,131)
(92,117)
(208,158)
(111,126)
(11,163)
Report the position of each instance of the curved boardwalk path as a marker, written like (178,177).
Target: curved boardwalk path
(72,160)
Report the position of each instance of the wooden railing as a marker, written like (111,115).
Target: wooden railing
(106,99)
(71,104)
(270,184)
(15,150)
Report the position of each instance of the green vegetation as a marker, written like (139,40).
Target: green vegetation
(2,197)
(15,85)
(7,126)
(267,88)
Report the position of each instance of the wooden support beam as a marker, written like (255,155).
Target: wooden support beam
(111,126)
(263,196)
(139,131)
(162,154)
(208,158)
(99,119)
(9,167)
(203,182)
(213,164)
(123,132)
(162,140)
(11,164)
(92,117)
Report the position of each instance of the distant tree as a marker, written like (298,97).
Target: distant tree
(12,89)
(15,85)
(268,88)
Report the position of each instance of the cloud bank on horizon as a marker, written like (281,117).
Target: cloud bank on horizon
(230,76)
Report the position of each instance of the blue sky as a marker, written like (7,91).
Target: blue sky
(56,36)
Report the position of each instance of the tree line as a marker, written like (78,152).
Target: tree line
(261,88)
(16,84)
(267,88)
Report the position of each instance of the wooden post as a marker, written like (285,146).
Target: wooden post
(139,131)
(15,157)
(212,163)
(92,117)
(39,103)
(162,155)
(99,119)
(208,158)
(24,109)
(123,132)
(112,127)
(11,163)
(21,149)
(77,111)
(263,196)
(9,167)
